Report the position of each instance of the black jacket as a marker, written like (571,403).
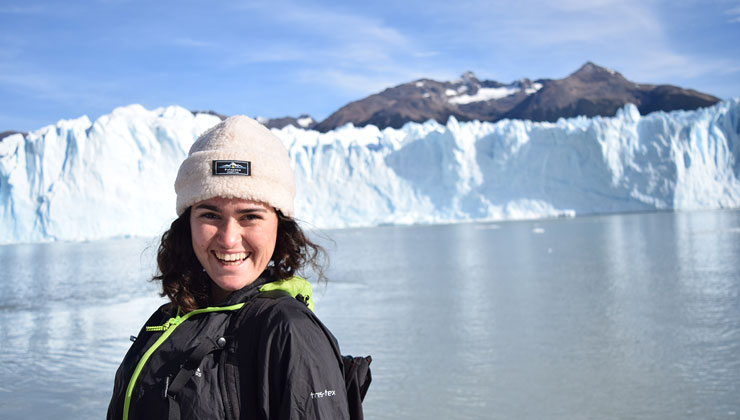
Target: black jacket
(270,358)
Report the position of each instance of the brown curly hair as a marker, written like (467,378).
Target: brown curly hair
(188,286)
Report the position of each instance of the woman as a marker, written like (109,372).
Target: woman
(228,345)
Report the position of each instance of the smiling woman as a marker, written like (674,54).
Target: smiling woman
(227,345)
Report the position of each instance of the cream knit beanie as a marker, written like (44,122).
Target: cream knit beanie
(237,158)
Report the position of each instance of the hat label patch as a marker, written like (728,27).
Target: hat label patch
(231,167)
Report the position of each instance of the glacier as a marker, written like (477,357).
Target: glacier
(81,180)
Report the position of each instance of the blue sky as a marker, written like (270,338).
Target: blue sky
(61,60)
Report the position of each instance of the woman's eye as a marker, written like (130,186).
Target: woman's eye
(209,216)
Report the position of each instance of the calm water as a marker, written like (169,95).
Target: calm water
(627,316)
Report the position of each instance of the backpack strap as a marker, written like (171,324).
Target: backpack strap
(172,388)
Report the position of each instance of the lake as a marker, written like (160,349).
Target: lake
(621,316)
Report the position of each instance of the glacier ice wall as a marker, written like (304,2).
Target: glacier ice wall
(79,180)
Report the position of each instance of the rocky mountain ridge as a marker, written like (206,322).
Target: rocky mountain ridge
(590,91)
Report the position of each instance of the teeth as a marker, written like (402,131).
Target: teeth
(231,257)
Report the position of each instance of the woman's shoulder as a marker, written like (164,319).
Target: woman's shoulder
(288,300)
(288,323)
(282,308)
(283,315)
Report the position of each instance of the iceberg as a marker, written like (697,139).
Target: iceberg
(82,180)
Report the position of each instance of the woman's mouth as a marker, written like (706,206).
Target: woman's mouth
(234,258)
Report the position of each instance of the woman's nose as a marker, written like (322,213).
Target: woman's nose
(229,234)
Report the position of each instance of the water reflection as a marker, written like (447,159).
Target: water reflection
(707,278)
(66,311)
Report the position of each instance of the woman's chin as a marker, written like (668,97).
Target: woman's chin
(228,282)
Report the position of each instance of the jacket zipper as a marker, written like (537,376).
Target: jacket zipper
(167,328)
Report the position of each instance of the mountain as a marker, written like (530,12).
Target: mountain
(9,133)
(590,91)
(211,112)
(83,180)
(304,121)
(594,90)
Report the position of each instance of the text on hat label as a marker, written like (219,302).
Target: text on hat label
(231,167)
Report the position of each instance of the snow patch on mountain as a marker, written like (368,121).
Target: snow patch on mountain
(533,89)
(305,122)
(79,180)
(486,94)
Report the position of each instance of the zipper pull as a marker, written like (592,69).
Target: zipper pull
(164,327)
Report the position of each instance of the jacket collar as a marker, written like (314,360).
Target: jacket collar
(249,291)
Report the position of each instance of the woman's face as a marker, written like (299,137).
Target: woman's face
(233,239)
